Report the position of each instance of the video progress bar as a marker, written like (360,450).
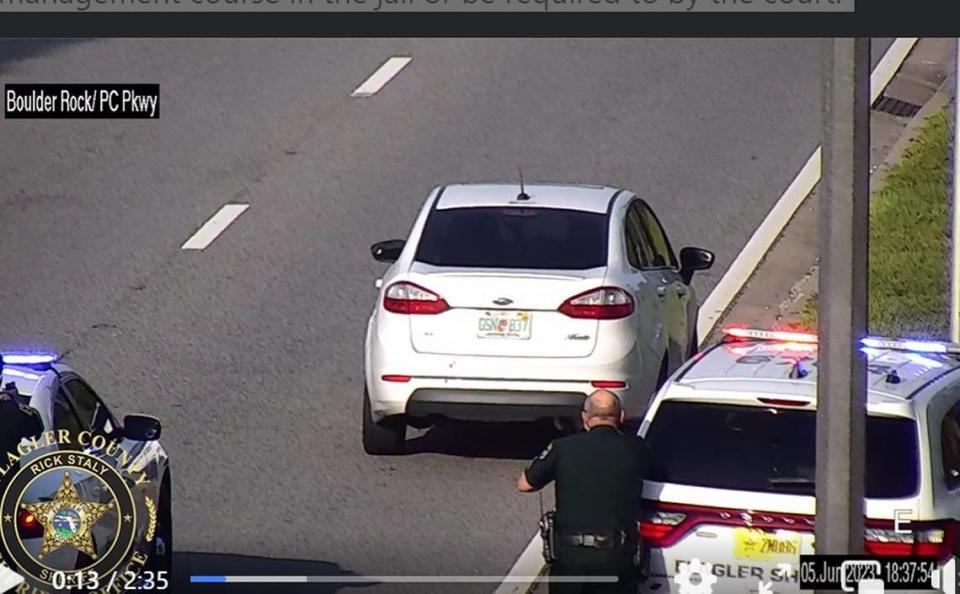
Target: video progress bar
(399,579)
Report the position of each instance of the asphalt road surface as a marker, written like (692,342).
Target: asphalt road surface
(251,350)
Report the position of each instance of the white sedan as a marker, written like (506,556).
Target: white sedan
(510,303)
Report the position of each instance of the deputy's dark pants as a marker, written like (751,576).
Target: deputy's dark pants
(583,561)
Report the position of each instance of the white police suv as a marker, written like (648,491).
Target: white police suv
(733,437)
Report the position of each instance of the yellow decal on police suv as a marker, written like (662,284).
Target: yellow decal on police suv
(765,546)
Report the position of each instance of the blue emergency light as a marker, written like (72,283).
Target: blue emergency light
(28,358)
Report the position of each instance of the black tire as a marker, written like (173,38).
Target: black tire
(162,558)
(385,438)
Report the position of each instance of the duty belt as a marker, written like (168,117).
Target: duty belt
(594,541)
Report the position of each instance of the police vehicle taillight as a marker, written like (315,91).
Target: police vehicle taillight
(664,524)
(917,539)
(659,528)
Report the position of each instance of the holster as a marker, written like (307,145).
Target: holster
(548,534)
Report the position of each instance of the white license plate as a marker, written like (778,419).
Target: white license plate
(504,324)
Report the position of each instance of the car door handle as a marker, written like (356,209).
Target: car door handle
(681,290)
(661,292)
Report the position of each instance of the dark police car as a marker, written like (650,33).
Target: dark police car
(77,422)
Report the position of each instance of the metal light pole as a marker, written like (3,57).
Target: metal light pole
(955,208)
(844,209)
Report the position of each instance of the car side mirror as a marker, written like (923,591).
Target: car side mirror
(141,428)
(387,251)
(693,259)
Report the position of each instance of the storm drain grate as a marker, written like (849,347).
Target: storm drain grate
(896,107)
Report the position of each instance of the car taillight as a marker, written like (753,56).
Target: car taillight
(660,528)
(923,539)
(408,298)
(605,303)
(28,526)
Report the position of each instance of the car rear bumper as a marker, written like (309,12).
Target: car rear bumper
(472,386)
(492,405)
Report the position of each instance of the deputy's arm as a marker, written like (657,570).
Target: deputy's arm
(540,472)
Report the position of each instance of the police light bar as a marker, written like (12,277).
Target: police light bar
(776,335)
(28,358)
(916,346)
(893,344)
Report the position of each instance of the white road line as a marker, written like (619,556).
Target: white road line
(887,68)
(530,562)
(214,227)
(715,305)
(381,77)
(740,271)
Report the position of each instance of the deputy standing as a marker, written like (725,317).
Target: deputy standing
(599,480)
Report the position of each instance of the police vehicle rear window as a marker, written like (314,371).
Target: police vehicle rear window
(514,237)
(770,449)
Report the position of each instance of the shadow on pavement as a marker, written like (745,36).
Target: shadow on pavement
(507,441)
(13,50)
(215,564)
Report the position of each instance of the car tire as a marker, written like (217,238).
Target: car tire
(388,437)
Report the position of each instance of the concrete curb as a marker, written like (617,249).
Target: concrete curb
(775,294)
(809,284)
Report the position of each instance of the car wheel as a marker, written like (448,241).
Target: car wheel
(384,438)
(162,558)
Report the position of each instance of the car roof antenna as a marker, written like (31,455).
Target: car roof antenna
(523,194)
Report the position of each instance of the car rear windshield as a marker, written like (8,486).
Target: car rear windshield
(514,237)
(772,450)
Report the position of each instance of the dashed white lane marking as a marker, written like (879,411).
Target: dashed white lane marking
(382,76)
(214,226)
(530,561)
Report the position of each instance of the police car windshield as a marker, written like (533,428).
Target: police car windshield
(514,237)
(772,450)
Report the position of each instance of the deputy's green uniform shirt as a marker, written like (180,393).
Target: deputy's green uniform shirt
(599,480)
